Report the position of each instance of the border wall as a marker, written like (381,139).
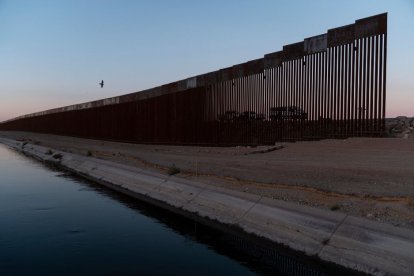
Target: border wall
(328,86)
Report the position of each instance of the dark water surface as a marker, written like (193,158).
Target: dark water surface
(54,224)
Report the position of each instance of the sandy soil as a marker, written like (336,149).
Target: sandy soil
(367,177)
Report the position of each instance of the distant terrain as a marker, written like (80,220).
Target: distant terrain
(400,127)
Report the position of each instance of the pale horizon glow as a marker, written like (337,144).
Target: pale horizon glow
(54,53)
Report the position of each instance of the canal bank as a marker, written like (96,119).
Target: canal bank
(351,242)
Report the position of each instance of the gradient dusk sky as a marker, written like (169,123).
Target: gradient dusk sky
(55,52)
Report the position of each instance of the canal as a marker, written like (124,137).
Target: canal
(53,223)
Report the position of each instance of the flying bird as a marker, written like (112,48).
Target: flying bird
(101,83)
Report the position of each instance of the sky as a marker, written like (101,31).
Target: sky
(54,53)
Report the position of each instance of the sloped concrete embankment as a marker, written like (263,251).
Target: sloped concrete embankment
(348,241)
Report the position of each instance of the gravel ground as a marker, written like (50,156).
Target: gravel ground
(367,177)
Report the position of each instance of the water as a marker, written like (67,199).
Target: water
(52,223)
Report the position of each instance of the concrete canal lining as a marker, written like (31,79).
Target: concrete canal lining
(351,242)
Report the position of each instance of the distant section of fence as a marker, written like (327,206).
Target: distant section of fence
(327,86)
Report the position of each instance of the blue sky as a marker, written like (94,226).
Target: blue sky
(54,52)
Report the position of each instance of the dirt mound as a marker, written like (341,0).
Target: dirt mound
(401,127)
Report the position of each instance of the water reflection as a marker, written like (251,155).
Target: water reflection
(52,223)
(56,223)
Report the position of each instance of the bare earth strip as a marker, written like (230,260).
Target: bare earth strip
(367,177)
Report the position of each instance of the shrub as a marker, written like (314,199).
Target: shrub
(173,170)
(57,156)
(335,207)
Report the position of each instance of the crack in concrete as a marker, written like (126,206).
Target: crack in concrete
(251,207)
(326,241)
(162,182)
(202,190)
